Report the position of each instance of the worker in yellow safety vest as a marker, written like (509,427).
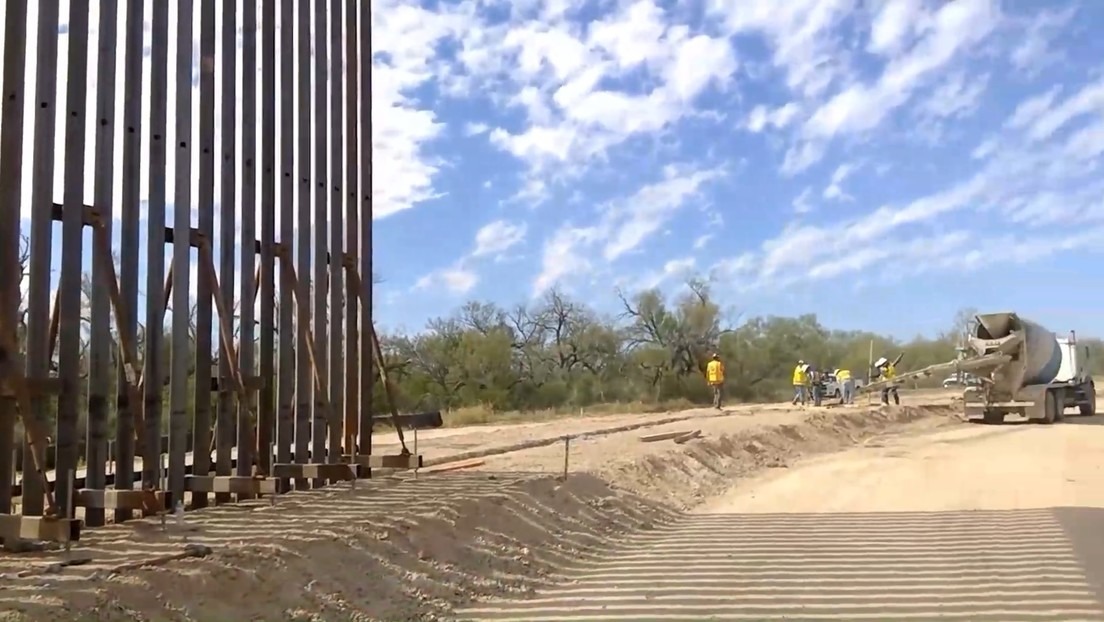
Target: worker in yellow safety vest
(846,386)
(714,375)
(800,382)
(887,371)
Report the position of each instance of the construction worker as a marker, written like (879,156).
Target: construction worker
(887,371)
(800,380)
(714,375)
(815,383)
(846,385)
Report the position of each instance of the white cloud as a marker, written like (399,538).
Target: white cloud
(778,118)
(491,240)
(896,22)
(834,190)
(958,96)
(1042,170)
(673,269)
(456,279)
(916,39)
(498,237)
(1034,53)
(572,117)
(801,204)
(801,33)
(475,129)
(622,226)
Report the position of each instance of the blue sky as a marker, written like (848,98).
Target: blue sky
(880,163)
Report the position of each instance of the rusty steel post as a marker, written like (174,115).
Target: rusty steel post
(72,254)
(286,433)
(125,445)
(337,270)
(11,269)
(352,234)
(201,444)
(42,202)
(247,331)
(153,375)
(322,416)
(99,338)
(267,415)
(181,256)
(367,379)
(225,433)
(304,388)
(11,204)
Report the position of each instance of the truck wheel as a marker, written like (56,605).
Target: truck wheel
(993,417)
(1050,408)
(1089,409)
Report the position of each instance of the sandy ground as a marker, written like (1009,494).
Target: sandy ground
(414,548)
(970,523)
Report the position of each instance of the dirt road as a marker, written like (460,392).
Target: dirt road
(970,523)
(415,548)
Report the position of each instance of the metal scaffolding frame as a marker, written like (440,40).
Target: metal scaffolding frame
(235,402)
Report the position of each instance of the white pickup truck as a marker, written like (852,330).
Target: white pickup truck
(832,386)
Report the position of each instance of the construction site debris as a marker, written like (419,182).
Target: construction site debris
(682,438)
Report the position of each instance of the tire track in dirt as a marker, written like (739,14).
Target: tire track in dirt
(1000,566)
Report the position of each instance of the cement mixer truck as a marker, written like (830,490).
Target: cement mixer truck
(1022,368)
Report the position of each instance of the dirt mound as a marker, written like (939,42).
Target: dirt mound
(415,548)
(684,476)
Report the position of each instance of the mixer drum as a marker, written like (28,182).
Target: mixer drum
(1040,355)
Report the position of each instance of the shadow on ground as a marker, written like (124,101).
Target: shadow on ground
(393,549)
(1044,564)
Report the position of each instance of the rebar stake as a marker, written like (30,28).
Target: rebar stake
(567,452)
(71,511)
(415,450)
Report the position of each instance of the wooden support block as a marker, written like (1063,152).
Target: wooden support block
(687,437)
(409,461)
(339,471)
(662,436)
(235,484)
(149,501)
(15,527)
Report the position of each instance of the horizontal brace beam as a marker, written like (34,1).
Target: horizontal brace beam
(149,501)
(251,383)
(416,420)
(339,471)
(400,461)
(90,216)
(42,528)
(235,484)
(36,387)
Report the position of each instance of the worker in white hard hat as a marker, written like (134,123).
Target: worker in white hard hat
(800,381)
(887,371)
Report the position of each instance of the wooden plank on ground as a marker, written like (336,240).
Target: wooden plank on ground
(377,461)
(662,436)
(457,466)
(687,437)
